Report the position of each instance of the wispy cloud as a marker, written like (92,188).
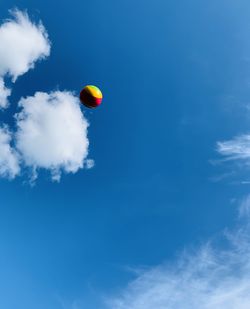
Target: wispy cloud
(244,210)
(22,44)
(209,278)
(237,148)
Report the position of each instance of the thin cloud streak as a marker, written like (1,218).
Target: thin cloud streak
(237,148)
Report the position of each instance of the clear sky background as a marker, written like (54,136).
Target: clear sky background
(175,77)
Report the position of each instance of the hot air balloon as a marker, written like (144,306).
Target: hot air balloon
(91,96)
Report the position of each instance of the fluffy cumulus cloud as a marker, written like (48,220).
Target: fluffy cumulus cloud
(9,162)
(236,149)
(22,44)
(208,279)
(52,133)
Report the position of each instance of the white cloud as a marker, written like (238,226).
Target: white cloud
(208,279)
(52,133)
(9,163)
(237,148)
(4,94)
(22,44)
(51,130)
(89,163)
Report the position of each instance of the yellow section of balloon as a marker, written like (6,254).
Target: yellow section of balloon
(94,91)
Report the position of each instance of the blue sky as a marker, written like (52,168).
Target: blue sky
(175,80)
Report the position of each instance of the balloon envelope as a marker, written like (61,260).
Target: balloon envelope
(91,96)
